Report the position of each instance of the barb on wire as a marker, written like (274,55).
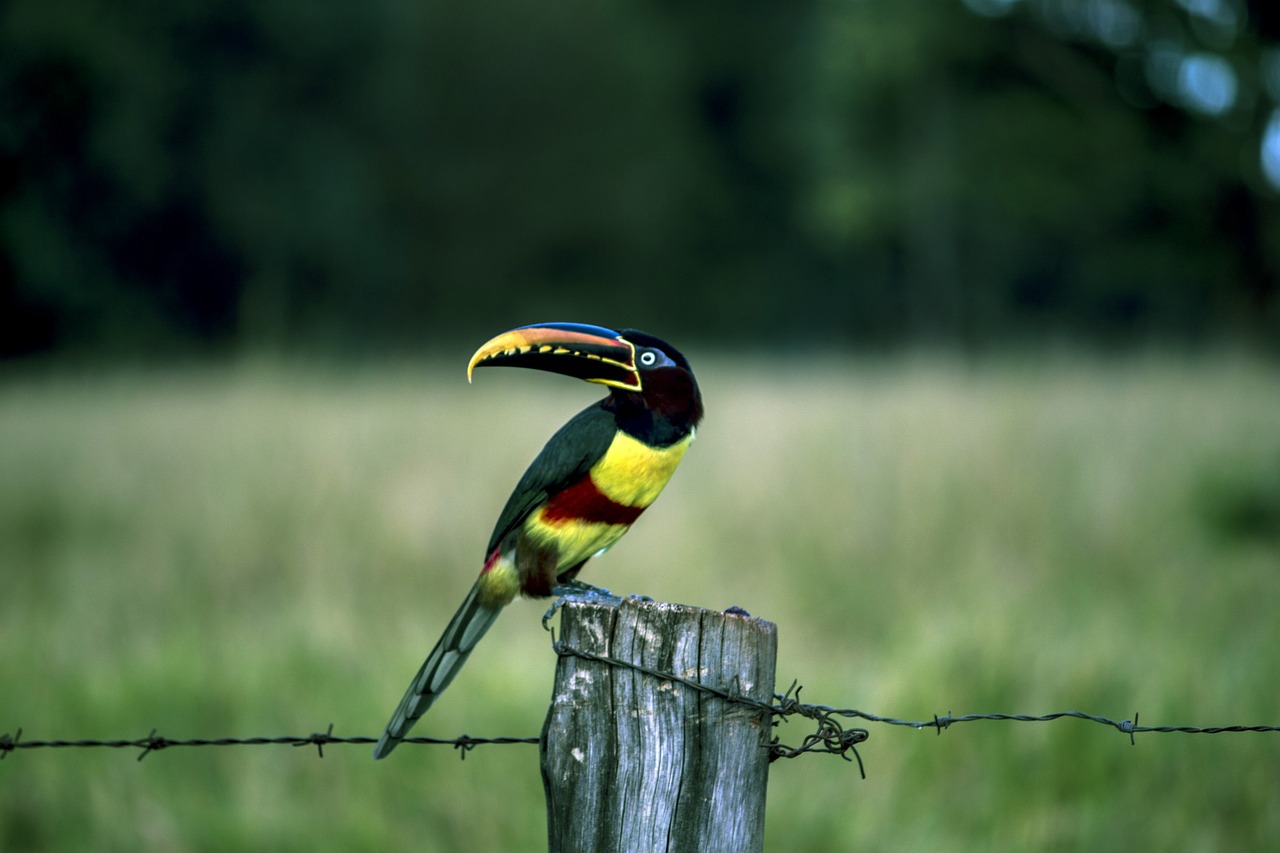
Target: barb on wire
(834,738)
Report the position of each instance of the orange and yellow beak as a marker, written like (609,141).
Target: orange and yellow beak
(592,353)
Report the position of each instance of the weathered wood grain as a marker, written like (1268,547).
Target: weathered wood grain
(632,762)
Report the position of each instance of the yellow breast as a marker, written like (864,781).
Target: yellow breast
(628,478)
(633,473)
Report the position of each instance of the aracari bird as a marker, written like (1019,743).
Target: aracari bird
(582,492)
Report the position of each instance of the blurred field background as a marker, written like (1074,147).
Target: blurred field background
(984,296)
(265,548)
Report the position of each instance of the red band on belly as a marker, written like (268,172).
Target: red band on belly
(584,502)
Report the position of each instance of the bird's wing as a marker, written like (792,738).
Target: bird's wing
(565,460)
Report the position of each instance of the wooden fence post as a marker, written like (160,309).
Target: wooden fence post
(632,762)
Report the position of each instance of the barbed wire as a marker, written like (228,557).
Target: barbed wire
(154,742)
(1129,727)
(829,736)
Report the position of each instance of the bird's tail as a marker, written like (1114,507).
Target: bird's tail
(466,628)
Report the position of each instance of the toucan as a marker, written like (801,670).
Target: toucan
(591,481)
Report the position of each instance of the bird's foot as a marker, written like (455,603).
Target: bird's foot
(576,590)
(571,587)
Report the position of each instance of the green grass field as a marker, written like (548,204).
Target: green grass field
(267,549)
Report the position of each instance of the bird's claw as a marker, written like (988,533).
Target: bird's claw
(576,590)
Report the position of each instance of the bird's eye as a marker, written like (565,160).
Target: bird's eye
(648,358)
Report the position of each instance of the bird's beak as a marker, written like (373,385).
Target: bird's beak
(588,352)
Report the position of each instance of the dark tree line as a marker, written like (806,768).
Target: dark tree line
(212,175)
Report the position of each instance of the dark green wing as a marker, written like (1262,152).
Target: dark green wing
(567,458)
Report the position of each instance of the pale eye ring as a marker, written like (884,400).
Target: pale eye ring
(648,358)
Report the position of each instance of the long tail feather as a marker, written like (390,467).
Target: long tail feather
(466,628)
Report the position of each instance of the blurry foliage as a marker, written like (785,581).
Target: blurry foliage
(1240,502)
(258,549)
(228,174)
